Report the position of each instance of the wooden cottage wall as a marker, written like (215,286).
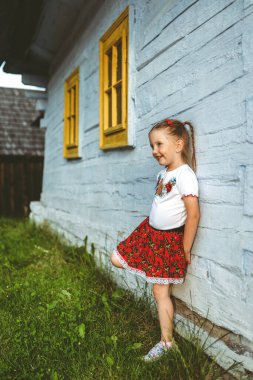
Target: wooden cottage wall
(20,182)
(189,60)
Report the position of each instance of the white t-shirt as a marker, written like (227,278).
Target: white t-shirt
(168,209)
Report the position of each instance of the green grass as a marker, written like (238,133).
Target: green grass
(62,317)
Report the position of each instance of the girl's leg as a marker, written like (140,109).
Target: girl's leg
(165,309)
(115,261)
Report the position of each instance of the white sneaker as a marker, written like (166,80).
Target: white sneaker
(157,351)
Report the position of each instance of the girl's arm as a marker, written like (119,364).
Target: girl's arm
(191,224)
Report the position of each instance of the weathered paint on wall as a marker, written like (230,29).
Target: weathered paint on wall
(189,60)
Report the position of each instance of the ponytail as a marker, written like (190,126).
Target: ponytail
(193,159)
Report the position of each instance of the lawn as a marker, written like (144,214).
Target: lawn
(62,317)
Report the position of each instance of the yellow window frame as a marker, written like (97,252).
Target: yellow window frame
(71,115)
(114,84)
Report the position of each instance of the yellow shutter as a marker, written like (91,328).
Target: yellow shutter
(113,47)
(71,112)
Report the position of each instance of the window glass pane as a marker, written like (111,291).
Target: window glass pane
(69,102)
(119,104)
(69,116)
(119,59)
(109,95)
(74,129)
(109,54)
(69,130)
(74,100)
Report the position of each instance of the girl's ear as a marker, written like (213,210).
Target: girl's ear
(179,145)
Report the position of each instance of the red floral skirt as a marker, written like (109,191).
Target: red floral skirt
(156,255)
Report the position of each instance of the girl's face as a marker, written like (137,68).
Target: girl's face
(165,148)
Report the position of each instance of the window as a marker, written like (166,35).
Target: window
(113,47)
(71,110)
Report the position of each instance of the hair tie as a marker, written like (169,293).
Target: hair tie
(187,125)
(169,121)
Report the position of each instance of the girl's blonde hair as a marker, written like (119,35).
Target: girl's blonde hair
(176,128)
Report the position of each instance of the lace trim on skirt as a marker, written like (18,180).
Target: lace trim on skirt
(154,280)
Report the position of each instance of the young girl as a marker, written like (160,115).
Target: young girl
(159,249)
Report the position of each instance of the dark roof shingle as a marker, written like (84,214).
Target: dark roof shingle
(20,133)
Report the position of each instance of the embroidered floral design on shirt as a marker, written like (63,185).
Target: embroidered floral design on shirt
(163,189)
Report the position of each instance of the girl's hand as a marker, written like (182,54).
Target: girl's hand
(188,256)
